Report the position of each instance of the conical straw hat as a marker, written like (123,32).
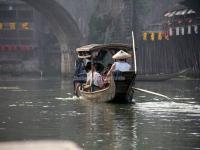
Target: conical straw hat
(121,55)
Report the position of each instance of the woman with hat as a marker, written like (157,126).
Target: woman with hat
(120,64)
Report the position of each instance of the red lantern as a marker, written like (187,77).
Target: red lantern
(179,21)
(190,21)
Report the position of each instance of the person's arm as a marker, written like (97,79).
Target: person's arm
(88,79)
(87,82)
(111,69)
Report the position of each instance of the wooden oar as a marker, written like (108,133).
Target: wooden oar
(150,92)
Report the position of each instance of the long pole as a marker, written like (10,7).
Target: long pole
(150,92)
(134,54)
(92,69)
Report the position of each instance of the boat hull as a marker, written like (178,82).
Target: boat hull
(124,84)
(104,95)
(120,90)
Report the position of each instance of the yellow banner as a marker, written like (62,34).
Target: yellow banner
(159,36)
(155,36)
(14,26)
(144,36)
(152,36)
(1,26)
(25,26)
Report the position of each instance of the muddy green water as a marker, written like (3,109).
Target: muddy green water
(35,109)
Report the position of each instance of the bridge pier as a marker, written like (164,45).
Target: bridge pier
(67,61)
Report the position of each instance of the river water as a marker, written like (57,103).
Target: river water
(35,109)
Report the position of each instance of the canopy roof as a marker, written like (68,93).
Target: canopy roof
(85,52)
(93,47)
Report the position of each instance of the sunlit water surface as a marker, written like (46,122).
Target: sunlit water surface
(33,109)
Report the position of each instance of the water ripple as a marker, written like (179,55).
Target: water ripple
(168,107)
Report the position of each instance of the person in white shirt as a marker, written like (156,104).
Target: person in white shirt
(94,79)
(120,64)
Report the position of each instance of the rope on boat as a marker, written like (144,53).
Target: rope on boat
(150,92)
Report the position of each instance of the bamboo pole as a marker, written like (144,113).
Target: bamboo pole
(150,92)
(135,65)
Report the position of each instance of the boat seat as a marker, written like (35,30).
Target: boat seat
(125,75)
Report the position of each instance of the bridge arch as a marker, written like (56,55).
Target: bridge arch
(64,27)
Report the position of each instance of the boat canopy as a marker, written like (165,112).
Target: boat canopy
(87,51)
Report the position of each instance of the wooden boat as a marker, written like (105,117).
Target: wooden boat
(124,84)
(104,95)
(120,87)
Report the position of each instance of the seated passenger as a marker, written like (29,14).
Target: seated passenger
(120,64)
(94,79)
(81,78)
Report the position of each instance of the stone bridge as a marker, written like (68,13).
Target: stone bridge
(79,22)
(68,25)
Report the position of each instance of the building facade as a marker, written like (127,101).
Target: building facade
(172,44)
(24,34)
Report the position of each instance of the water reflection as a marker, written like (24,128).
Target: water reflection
(47,109)
(169,124)
(110,126)
(169,107)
